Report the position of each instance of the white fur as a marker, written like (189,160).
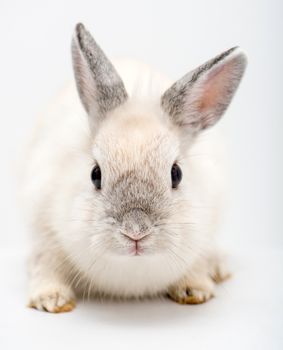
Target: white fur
(70,241)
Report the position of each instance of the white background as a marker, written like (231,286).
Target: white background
(174,36)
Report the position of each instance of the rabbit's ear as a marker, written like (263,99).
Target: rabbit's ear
(98,83)
(198,100)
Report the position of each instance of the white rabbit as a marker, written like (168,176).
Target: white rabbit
(124,191)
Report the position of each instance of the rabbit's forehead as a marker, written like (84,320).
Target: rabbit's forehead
(136,142)
(136,151)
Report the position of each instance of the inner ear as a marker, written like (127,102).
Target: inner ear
(217,89)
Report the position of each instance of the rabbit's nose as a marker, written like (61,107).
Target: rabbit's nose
(135,236)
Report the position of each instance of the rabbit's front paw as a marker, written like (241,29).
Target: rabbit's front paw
(53,299)
(188,292)
(190,295)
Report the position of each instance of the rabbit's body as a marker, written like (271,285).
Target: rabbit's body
(83,236)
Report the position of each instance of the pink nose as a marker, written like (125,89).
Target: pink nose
(136,236)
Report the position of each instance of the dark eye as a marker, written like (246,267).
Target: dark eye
(96,177)
(176,175)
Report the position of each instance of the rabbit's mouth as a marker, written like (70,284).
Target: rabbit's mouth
(133,246)
(136,248)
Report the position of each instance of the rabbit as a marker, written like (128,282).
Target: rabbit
(125,182)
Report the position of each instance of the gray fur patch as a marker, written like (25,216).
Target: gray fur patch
(96,77)
(136,221)
(130,193)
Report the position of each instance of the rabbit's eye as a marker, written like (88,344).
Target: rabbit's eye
(176,175)
(96,177)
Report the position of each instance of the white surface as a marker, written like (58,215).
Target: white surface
(175,37)
(245,314)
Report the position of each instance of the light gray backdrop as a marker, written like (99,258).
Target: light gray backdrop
(174,36)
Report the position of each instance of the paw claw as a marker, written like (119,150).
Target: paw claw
(189,292)
(66,307)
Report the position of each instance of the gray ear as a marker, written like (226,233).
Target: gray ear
(98,83)
(199,99)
